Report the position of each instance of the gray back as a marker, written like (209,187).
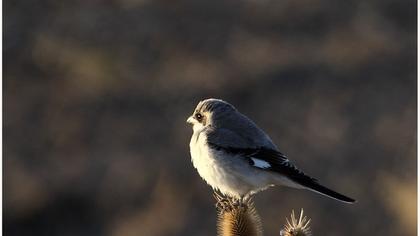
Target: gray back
(229,127)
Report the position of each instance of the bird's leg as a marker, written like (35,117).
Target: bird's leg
(245,200)
(236,202)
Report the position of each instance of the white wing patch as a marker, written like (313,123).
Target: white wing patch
(260,164)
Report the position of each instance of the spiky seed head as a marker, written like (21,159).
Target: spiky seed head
(237,217)
(297,227)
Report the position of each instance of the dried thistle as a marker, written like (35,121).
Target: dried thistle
(237,217)
(296,227)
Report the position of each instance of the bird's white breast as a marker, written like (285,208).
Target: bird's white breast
(205,162)
(229,174)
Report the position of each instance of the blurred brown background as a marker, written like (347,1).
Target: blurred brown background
(96,94)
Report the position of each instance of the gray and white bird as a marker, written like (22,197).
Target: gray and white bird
(237,158)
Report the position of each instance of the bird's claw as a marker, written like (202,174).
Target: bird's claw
(227,204)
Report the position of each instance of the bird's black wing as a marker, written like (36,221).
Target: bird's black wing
(267,159)
(272,160)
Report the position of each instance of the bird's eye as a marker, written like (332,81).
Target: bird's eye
(198,116)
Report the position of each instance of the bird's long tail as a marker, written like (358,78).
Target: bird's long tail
(316,187)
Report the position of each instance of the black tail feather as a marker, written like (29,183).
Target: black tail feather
(314,186)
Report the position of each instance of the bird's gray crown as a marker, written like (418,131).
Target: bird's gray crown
(213,104)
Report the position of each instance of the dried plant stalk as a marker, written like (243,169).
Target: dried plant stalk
(237,217)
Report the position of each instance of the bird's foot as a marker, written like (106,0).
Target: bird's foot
(237,202)
(227,203)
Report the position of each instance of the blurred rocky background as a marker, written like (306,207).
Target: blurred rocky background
(96,94)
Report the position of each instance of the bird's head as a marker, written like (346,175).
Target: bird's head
(210,112)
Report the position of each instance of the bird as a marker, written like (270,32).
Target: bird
(238,159)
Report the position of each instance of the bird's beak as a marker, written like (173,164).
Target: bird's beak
(190,120)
